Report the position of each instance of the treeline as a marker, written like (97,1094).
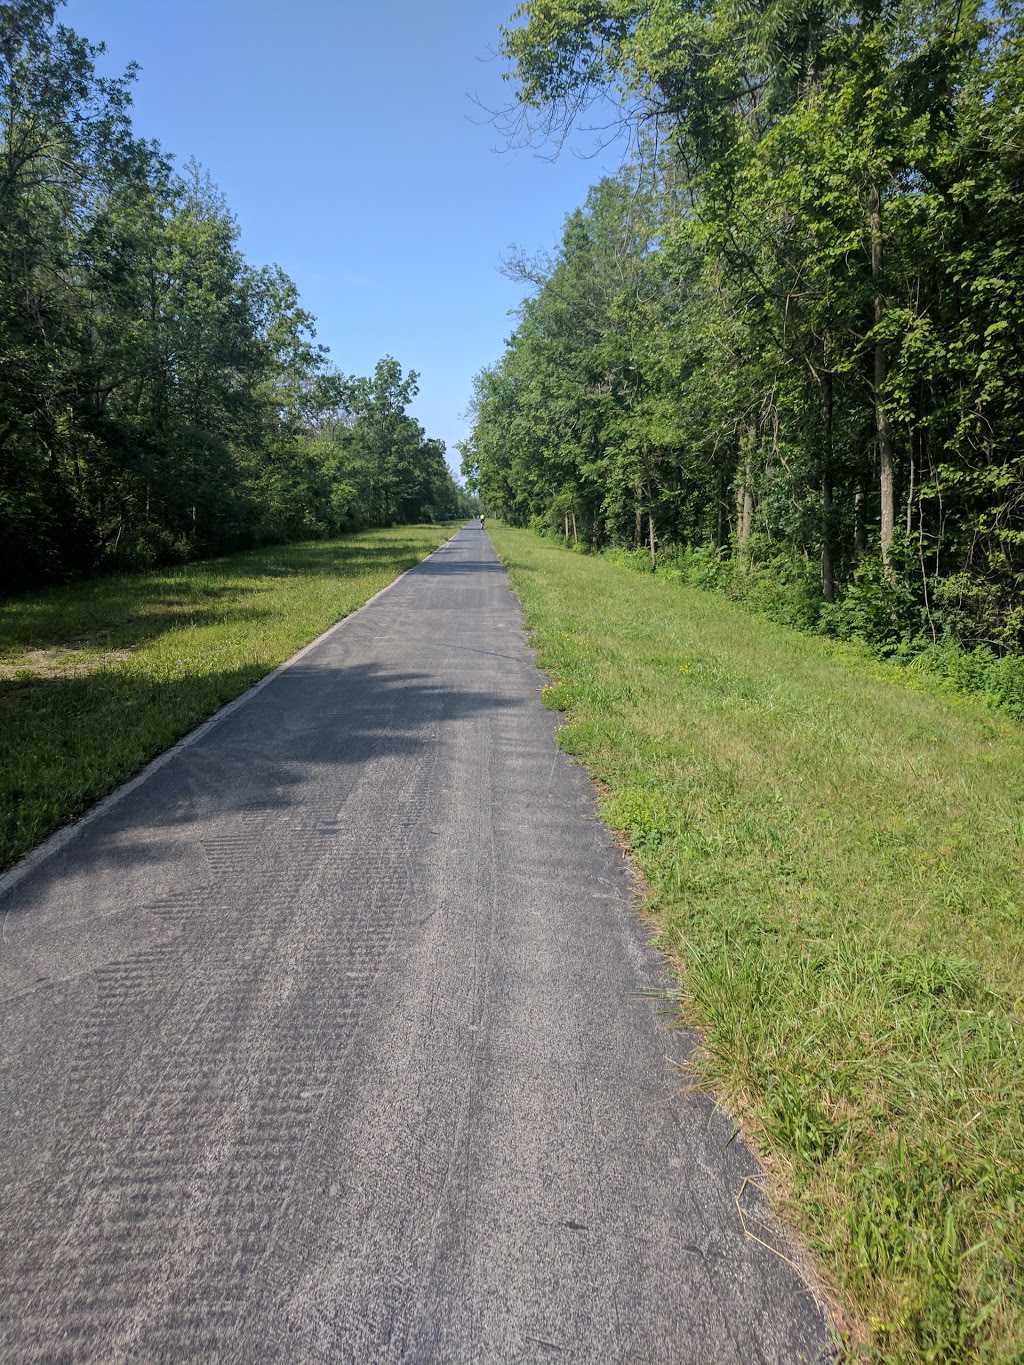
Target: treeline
(160,398)
(787,343)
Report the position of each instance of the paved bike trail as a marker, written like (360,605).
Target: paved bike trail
(337,1038)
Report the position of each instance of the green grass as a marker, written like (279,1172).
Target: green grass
(97,678)
(835,857)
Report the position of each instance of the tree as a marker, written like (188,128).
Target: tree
(161,398)
(827,296)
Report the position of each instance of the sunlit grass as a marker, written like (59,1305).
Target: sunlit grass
(97,678)
(836,870)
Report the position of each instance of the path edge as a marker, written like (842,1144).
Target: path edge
(60,838)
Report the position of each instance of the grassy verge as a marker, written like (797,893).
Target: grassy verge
(836,864)
(97,678)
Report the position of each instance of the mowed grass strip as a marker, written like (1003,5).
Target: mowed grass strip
(97,678)
(836,869)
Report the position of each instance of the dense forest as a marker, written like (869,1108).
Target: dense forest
(161,398)
(782,349)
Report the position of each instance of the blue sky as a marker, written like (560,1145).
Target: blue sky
(347,141)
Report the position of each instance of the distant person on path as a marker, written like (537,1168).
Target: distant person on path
(481,521)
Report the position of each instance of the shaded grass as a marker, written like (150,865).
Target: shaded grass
(836,869)
(98,677)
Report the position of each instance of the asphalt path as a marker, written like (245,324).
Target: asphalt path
(337,1037)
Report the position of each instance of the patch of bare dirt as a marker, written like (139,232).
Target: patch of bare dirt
(59,661)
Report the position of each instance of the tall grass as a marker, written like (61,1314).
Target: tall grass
(97,678)
(835,860)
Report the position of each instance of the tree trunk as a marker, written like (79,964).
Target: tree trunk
(860,535)
(744,495)
(828,582)
(654,561)
(575,537)
(720,524)
(883,429)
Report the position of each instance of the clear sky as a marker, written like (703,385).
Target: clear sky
(347,142)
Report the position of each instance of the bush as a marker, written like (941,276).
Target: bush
(707,566)
(637,560)
(877,607)
(974,612)
(981,671)
(785,588)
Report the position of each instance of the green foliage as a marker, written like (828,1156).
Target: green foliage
(877,607)
(788,336)
(999,678)
(160,398)
(389,468)
(835,857)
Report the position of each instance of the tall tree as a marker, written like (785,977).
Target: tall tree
(839,214)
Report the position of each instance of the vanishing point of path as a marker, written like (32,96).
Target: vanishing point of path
(337,1038)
